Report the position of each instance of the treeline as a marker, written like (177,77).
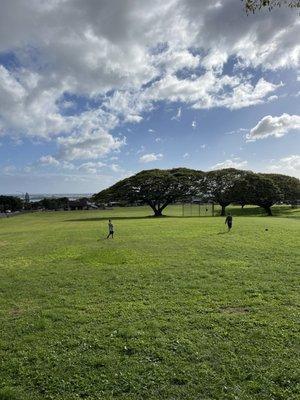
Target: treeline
(14,203)
(11,203)
(158,188)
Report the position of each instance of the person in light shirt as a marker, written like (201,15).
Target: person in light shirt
(110,229)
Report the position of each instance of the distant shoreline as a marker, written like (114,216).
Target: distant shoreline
(40,196)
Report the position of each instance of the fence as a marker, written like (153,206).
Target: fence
(199,210)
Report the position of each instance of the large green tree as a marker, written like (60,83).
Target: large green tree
(155,187)
(259,190)
(219,186)
(288,185)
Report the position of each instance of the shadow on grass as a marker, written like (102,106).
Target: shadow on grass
(113,218)
(116,218)
(281,211)
(277,211)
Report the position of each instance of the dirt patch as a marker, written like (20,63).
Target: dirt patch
(234,310)
(3,243)
(15,312)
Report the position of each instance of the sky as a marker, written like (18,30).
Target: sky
(94,91)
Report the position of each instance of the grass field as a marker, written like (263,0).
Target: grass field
(172,308)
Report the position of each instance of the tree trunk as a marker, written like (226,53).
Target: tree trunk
(157,212)
(166,203)
(157,207)
(223,210)
(268,210)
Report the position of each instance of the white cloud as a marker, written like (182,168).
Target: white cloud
(210,90)
(9,169)
(91,167)
(125,56)
(178,115)
(10,87)
(146,158)
(49,160)
(173,60)
(234,163)
(244,94)
(272,98)
(88,146)
(66,165)
(274,126)
(237,131)
(133,118)
(116,168)
(215,59)
(87,167)
(194,124)
(289,165)
(28,169)
(141,149)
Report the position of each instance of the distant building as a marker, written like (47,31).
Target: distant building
(81,204)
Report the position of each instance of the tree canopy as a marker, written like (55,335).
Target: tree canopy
(259,190)
(158,188)
(155,187)
(288,186)
(219,186)
(10,203)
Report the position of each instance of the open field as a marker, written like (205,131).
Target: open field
(172,308)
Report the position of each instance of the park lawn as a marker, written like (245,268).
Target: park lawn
(172,308)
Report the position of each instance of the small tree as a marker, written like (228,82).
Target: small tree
(157,188)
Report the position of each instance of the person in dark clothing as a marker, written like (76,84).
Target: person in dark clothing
(228,221)
(110,229)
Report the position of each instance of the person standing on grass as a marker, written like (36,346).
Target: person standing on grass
(228,221)
(110,229)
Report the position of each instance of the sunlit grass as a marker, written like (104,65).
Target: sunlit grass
(172,308)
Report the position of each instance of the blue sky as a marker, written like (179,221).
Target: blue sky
(92,92)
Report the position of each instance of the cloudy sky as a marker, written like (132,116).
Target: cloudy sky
(93,91)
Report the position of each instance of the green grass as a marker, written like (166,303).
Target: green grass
(172,308)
